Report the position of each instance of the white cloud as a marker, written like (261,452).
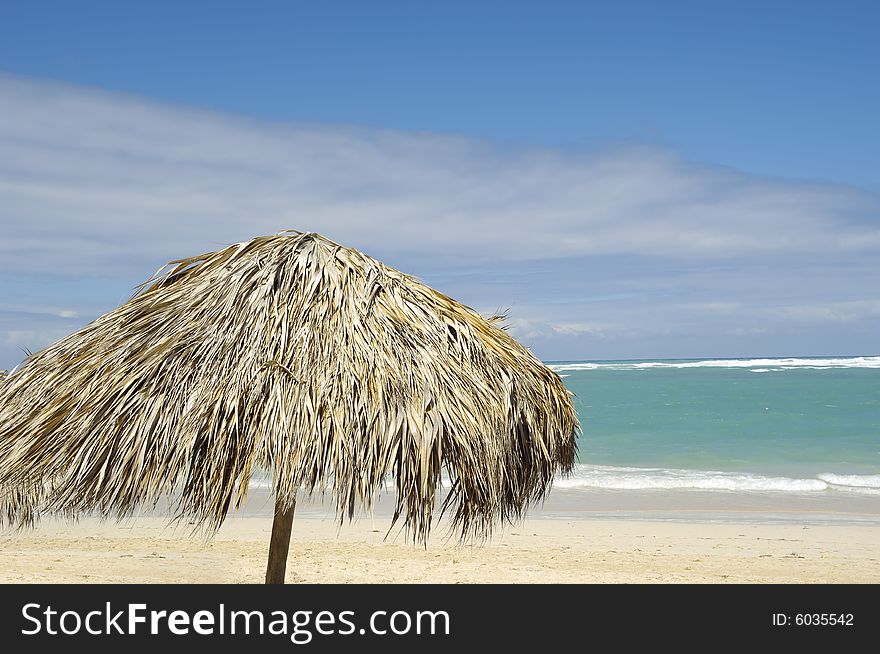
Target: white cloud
(24,339)
(534,329)
(747,331)
(36,309)
(91,181)
(618,253)
(843,312)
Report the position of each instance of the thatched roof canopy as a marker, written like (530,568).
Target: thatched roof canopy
(293,354)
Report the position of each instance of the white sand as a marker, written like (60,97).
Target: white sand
(585,550)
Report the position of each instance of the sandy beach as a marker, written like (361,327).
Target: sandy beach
(613,538)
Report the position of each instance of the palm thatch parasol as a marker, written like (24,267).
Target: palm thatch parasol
(293,354)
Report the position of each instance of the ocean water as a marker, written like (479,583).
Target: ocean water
(793,425)
(807,429)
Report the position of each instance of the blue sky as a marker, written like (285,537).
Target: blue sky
(628,179)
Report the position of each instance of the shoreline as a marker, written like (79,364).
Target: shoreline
(676,505)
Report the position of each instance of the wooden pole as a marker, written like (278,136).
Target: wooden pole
(279,544)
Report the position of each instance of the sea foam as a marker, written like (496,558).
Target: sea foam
(587,477)
(852,482)
(756,365)
(628,478)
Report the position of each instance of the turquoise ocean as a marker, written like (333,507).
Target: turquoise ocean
(780,425)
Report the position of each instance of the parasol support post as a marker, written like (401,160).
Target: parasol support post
(279,543)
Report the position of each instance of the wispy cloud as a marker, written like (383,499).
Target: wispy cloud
(36,309)
(852,311)
(91,179)
(23,339)
(110,186)
(530,329)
